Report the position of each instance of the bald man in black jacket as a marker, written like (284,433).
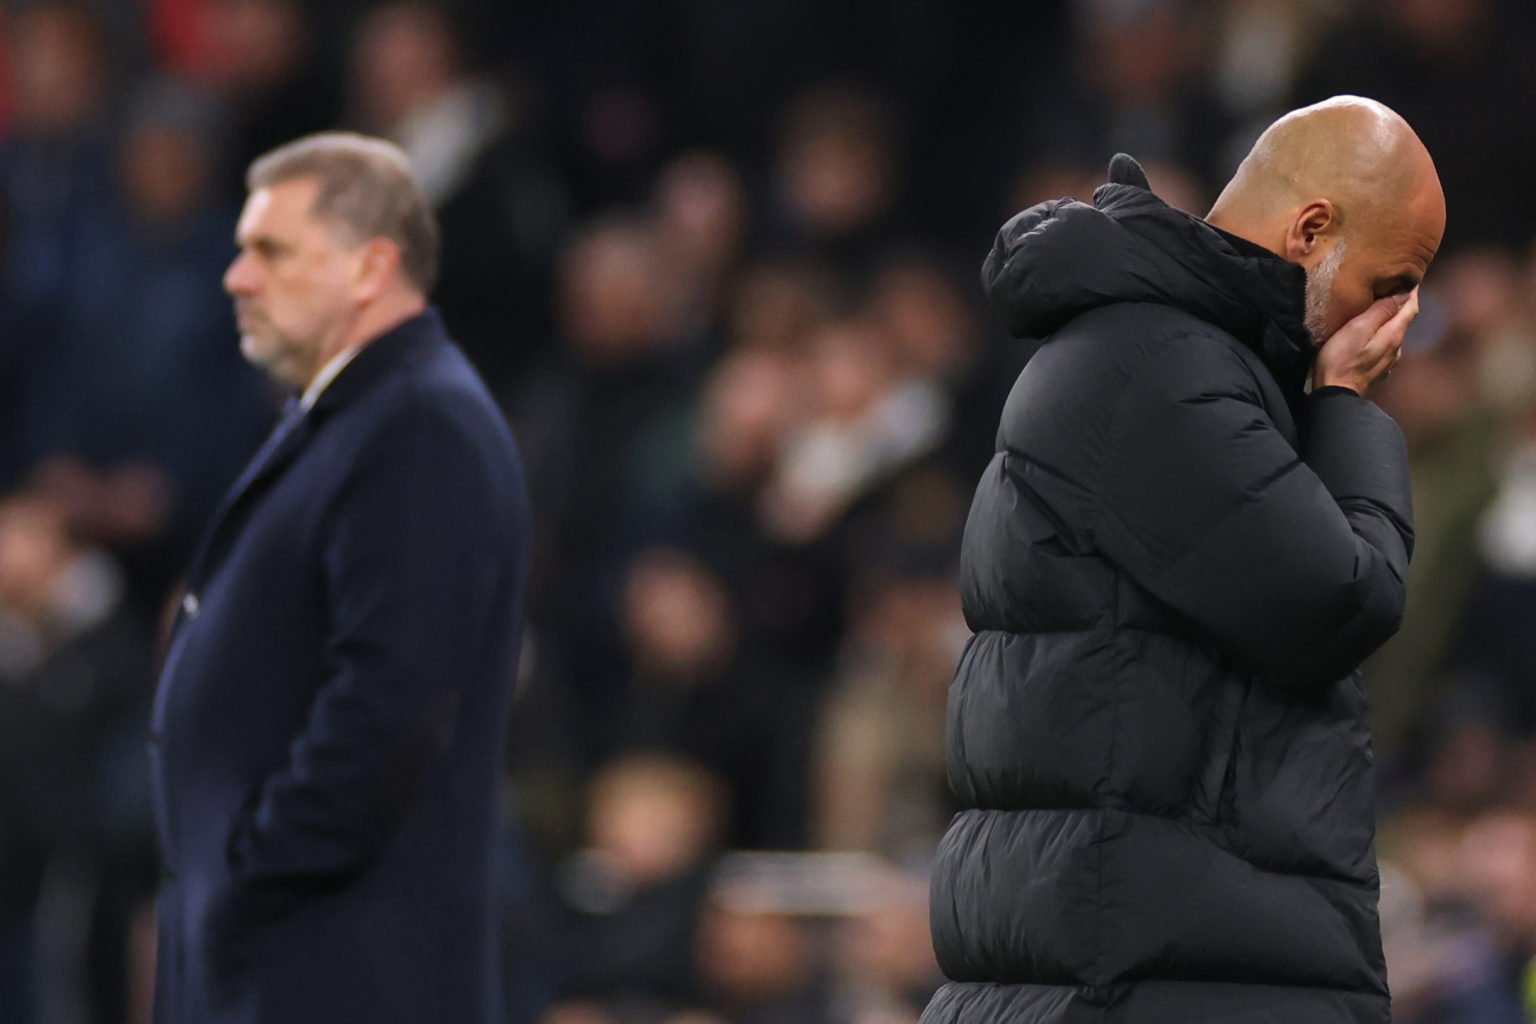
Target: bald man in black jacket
(1175,563)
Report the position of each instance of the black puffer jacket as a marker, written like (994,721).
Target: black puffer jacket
(1173,566)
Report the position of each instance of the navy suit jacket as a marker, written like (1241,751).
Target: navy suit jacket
(328,734)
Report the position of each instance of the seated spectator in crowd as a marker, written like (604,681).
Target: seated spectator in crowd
(55,170)
(1483,710)
(775,305)
(1497,873)
(75,685)
(266,61)
(837,172)
(1136,81)
(867,417)
(787,594)
(886,973)
(702,223)
(467,134)
(936,336)
(145,368)
(693,692)
(599,424)
(634,893)
(760,964)
(1457,921)
(880,766)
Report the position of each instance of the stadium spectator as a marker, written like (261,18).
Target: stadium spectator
(635,893)
(74,690)
(142,375)
(837,179)
(55,176)
(469,138)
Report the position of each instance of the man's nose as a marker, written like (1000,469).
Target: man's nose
(239,279)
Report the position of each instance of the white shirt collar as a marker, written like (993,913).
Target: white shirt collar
(328,373)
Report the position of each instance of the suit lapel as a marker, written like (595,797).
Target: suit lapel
(287,439)
(381,357)
(281,447)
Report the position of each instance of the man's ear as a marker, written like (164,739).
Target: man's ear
(1311,225)
(378,262)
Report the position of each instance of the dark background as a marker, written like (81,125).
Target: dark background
(718,263)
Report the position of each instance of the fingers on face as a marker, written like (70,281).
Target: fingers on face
(1393,332)
(1380,314)
(1384,350)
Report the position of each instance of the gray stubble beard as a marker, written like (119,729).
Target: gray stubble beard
(1319,287)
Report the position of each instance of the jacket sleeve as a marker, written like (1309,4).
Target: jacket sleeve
(1293,562)
(411,572)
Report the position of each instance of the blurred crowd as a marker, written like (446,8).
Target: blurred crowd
(718,263)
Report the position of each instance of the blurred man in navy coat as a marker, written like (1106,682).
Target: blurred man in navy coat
(329,727)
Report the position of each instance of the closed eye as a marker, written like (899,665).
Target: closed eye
(1395,286)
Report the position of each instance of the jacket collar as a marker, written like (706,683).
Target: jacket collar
(1268,292)
(398,346)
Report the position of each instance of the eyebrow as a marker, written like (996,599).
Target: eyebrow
(261,243)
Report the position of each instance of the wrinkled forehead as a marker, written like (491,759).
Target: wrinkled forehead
(1406,234)
(1418,235)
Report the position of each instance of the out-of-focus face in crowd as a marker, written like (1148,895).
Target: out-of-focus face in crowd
(612,307)
(836,164)
(677,617)
(252,44)
(1498,871)
(164,171)
(750,402)
(292,282)
(405,57)
(168,153)
(702,213)
(1137,51)
(888,946)
(776,307)
(749,955)
(652,817)
(57,69)
(927,321)
(34,549)
(1436,25)
(851,369)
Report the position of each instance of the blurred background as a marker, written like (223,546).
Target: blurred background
(718,262)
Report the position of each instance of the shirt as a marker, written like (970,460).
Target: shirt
(329,372)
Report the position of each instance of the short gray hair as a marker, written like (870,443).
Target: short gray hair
(366,188)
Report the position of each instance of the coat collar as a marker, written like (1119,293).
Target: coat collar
(1062,258)
(400,346)
(1262,296)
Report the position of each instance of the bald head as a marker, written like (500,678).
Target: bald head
(1356,153)
(1343,186)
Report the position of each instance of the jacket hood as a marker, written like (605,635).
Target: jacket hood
(1062,258)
